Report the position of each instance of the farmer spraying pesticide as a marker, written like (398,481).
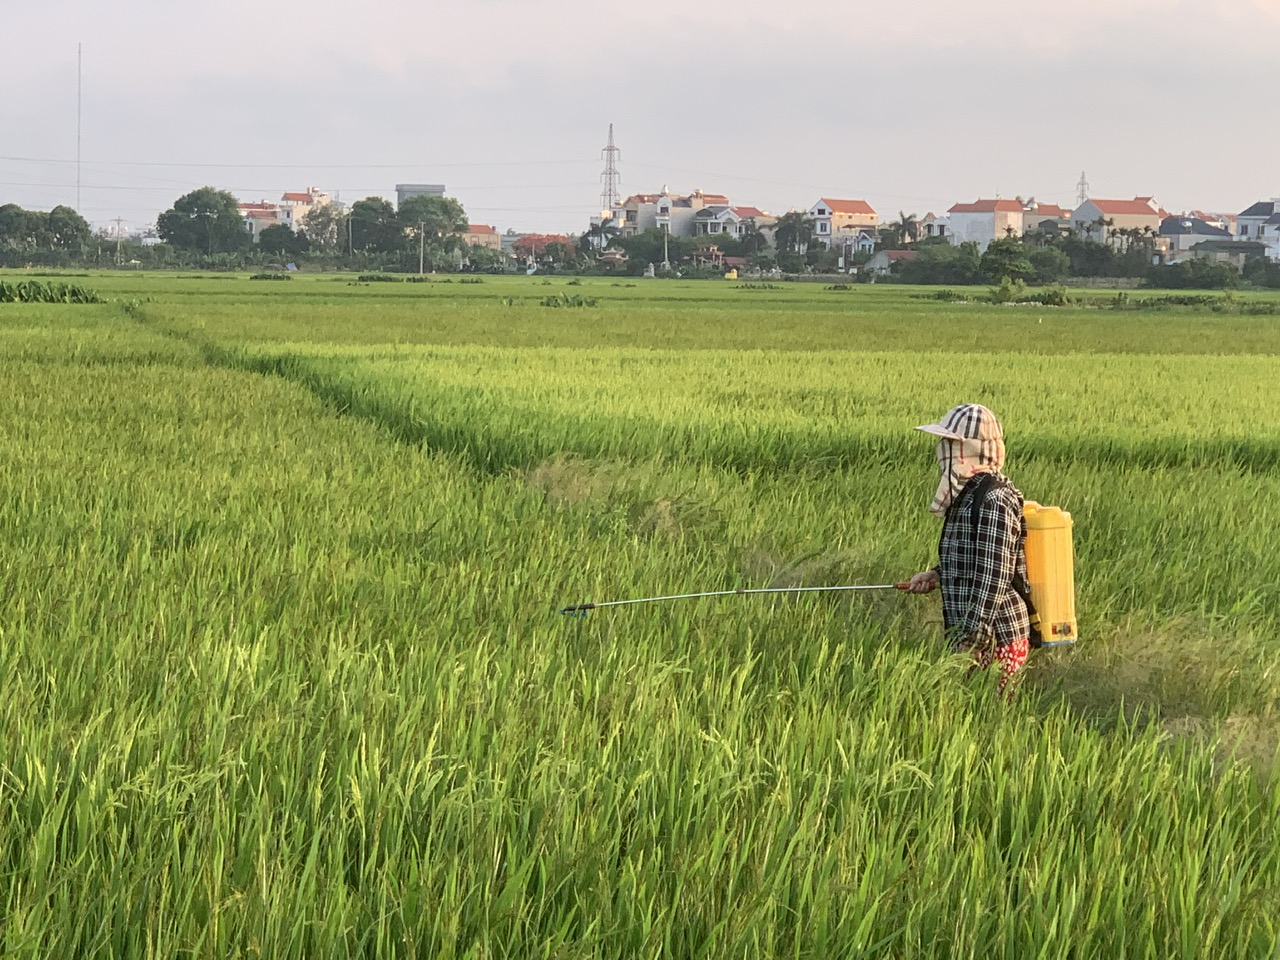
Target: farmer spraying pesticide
(981,562)
(991,609)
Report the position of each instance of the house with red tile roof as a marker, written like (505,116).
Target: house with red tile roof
(482,235)
(1104,220)
(257,216)
(984,221)
(295,205)
(835,220)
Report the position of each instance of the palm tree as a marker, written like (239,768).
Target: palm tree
(793,232)
(600,235)
(753,240)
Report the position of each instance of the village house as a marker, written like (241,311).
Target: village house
(1045,218)
(1105,221)
(290,212)
(834,218)
(1181,234)
(482,235)
(258,216)
(670,212)
(735,222)
(932,225)
(294,207)
(1261,222)
(984,221)
(1234,252)
(882,264)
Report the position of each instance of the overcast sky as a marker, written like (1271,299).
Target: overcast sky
(912,105)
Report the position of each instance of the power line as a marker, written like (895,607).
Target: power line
(309,165)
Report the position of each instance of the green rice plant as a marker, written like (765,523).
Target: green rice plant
(285,677)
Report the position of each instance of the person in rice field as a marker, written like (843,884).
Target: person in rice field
(982,567)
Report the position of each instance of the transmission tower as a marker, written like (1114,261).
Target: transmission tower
(1082,190)
(610,178)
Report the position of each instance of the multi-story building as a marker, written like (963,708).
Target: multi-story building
(294,207)
(1104,221)
(721,220)
(985,221)
(834,219)
(1261,222)
(672,212)
(289,212)
(406,190)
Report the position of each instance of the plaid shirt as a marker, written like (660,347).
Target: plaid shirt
(979,603)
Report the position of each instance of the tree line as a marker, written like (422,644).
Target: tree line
(60,229)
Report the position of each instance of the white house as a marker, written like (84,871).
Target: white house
(983,221)
(735,222)
(1251,224)
(667,211)
(932,225)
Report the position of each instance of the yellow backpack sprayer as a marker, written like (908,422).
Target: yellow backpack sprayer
(1051,579)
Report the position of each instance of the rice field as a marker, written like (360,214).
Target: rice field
(279,580)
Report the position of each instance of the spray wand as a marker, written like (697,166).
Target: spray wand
(582,609)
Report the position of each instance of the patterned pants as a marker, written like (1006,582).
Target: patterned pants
(1011,657)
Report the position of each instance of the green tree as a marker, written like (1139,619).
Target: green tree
(793,232)
(1006,257)
(898,234)
(21,229)
(598,237)
(66,229)
(279,239)
(1049,264)
(1089,258)
(1193,275)
(321,227)
(204,220)
(645,248)
(375,227)
(440,219)
(943,263)
(486,260)
(754,240)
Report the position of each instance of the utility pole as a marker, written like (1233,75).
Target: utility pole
(1082,190)
(117,221)
(610,178)
(422,229)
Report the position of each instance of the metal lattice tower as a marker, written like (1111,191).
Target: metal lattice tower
(1082,190)
(609,196)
